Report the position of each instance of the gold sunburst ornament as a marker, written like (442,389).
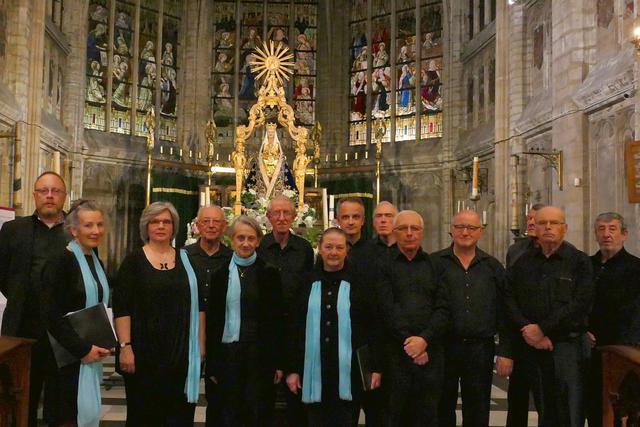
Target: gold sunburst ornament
(273,60)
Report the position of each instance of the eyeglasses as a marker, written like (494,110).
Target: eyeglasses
(161,221)
(209,221)
(406,228)
(471,228)
(552,223)
(276,214)
(54,191)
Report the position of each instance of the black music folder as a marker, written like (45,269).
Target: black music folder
(91,324)
(363,355)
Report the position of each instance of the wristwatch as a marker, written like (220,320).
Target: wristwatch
(124,344)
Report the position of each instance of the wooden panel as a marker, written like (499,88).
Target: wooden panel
(632,168)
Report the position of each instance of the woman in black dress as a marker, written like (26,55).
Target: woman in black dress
(333,322)
(158,320)
(72,280)
(245,333)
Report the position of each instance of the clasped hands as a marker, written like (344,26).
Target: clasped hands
(416,348)
(534,337)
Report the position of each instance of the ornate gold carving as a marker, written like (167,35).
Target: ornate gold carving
(273,62)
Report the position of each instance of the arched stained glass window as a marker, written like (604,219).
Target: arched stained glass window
(396,69)
(132,65)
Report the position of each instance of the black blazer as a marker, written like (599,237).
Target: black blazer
(270,317)
(365,328)
(16,250)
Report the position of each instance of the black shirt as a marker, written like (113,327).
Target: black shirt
(412,298)
(516,250)
(554,292)
(205,265)
(473,293)
(615,318)
(293,261)
(45,242)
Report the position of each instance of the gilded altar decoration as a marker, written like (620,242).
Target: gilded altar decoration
(273,63)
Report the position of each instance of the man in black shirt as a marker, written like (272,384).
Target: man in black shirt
(474,281)
(207,255)
(518,394)
(25,245)
(293,256)
(615,318)
(548,296)
(350,217)
(415,315)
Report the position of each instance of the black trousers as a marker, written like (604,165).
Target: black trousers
(414,391)
(42,366)
(333,413)
(373,405)
(468,362)
(244,388)
(518,398)
(296,413)
(157,401)
(594,390)
(558,380)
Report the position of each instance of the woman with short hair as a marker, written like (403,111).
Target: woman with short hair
(245,332)
(73,280)
(159,321)
(334,320)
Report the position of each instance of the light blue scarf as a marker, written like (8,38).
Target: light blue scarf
(312,380)
(192,383)
(231,331)
(89,398)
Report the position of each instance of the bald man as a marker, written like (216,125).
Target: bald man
(415,314)
(207,255)
(475,282)
(548,297)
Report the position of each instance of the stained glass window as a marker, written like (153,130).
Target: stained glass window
(292,23)
(97,65)
(138,71)
(405,69)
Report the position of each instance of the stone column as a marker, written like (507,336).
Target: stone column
(569,129)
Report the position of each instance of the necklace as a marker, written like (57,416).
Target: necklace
(241,271)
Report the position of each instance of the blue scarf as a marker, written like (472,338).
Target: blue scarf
(312,379)
(231,331)
(89,398)
(192,383)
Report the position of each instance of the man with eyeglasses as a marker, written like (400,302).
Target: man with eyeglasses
(207,255)
(415,314)
(548,297)
(293,256)
(25,244)
(615,319)
(474,281)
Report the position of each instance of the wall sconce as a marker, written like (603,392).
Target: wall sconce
(635,39)
(555,159)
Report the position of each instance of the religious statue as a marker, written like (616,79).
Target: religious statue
(150,122)
(210,135)
(271,164)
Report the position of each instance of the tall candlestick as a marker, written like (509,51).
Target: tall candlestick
(325,209)
(515,220)
(474,182)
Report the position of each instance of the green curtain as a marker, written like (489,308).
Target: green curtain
(354,187)
(183,192)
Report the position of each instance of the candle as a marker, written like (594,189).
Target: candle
(190,153)
(325,209)
(181,153)
(217,156)
(171,151)
(202,198)
(207,196)
(161,149)
(459,204)
(474,184)
(366,154)
(331,210)
(229,157)
(355,155)
(56,162)
(484,217)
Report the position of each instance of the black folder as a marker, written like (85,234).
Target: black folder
(363,355)
(92,325)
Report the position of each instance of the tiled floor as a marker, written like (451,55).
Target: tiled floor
(114,410)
